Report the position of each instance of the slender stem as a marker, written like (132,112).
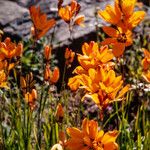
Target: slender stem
(39,118)
(70,31)
(1,127)
(63,78)
(45,98)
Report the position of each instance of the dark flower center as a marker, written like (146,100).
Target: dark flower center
(122,38)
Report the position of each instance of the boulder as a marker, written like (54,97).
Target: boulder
(10,11)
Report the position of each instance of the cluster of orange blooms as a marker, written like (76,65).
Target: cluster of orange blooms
(91,138)
(69,56)
(41,24)
(70,13)
(124,19)
(50,76)
(146,65)
(96,75)
(28,89)
(9,55)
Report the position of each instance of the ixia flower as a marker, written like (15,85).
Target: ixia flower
(146,60)
(30,98)
(111,14)
(69,56)
(41,24)
(3,79)
(102,86)
(70,12)
(89,137)
(122,14)
(28,89)
(59,113)
(47,52)
(94,56)
(51,76)
(10,50)
(146,66)
(118,38)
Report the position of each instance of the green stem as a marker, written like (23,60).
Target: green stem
(39,119)
(45,98)
(63,78)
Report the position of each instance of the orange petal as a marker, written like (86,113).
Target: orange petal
(108,41)
(74,132)
(79,20)
(110,137)
(93,129)
(74,83)
(95,98)
(118,49)
(55,75)
(113,145)
(110,15)
(85,126)
(123,91)
(110,31)
(135,19)
(100,135)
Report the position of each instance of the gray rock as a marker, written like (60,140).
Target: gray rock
(10,11)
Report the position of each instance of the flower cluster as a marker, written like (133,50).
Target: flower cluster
(28,90)
(124,19)
(96,75)
(91,138)
(49,75)
(69,57)
(9,55)
(70,13)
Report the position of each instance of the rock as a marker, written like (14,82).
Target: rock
(10,11)
(24,3)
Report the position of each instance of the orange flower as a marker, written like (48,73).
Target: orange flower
(118,38)
(111,14)
(47,52)
(54,75)
(130,19)
(69,56)
(146,60)
(146,66)
(101,85)
(30,98)
(79,20)
(5,66)
(70,12)
(74,82)
(59,113)
(41,24)
(93,56)
(27,83)
(62,138)
(50,76)
(9,49)
(90,138)
(122,14)
(3,79)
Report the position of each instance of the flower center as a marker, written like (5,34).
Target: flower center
(122,38)
(97,144)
